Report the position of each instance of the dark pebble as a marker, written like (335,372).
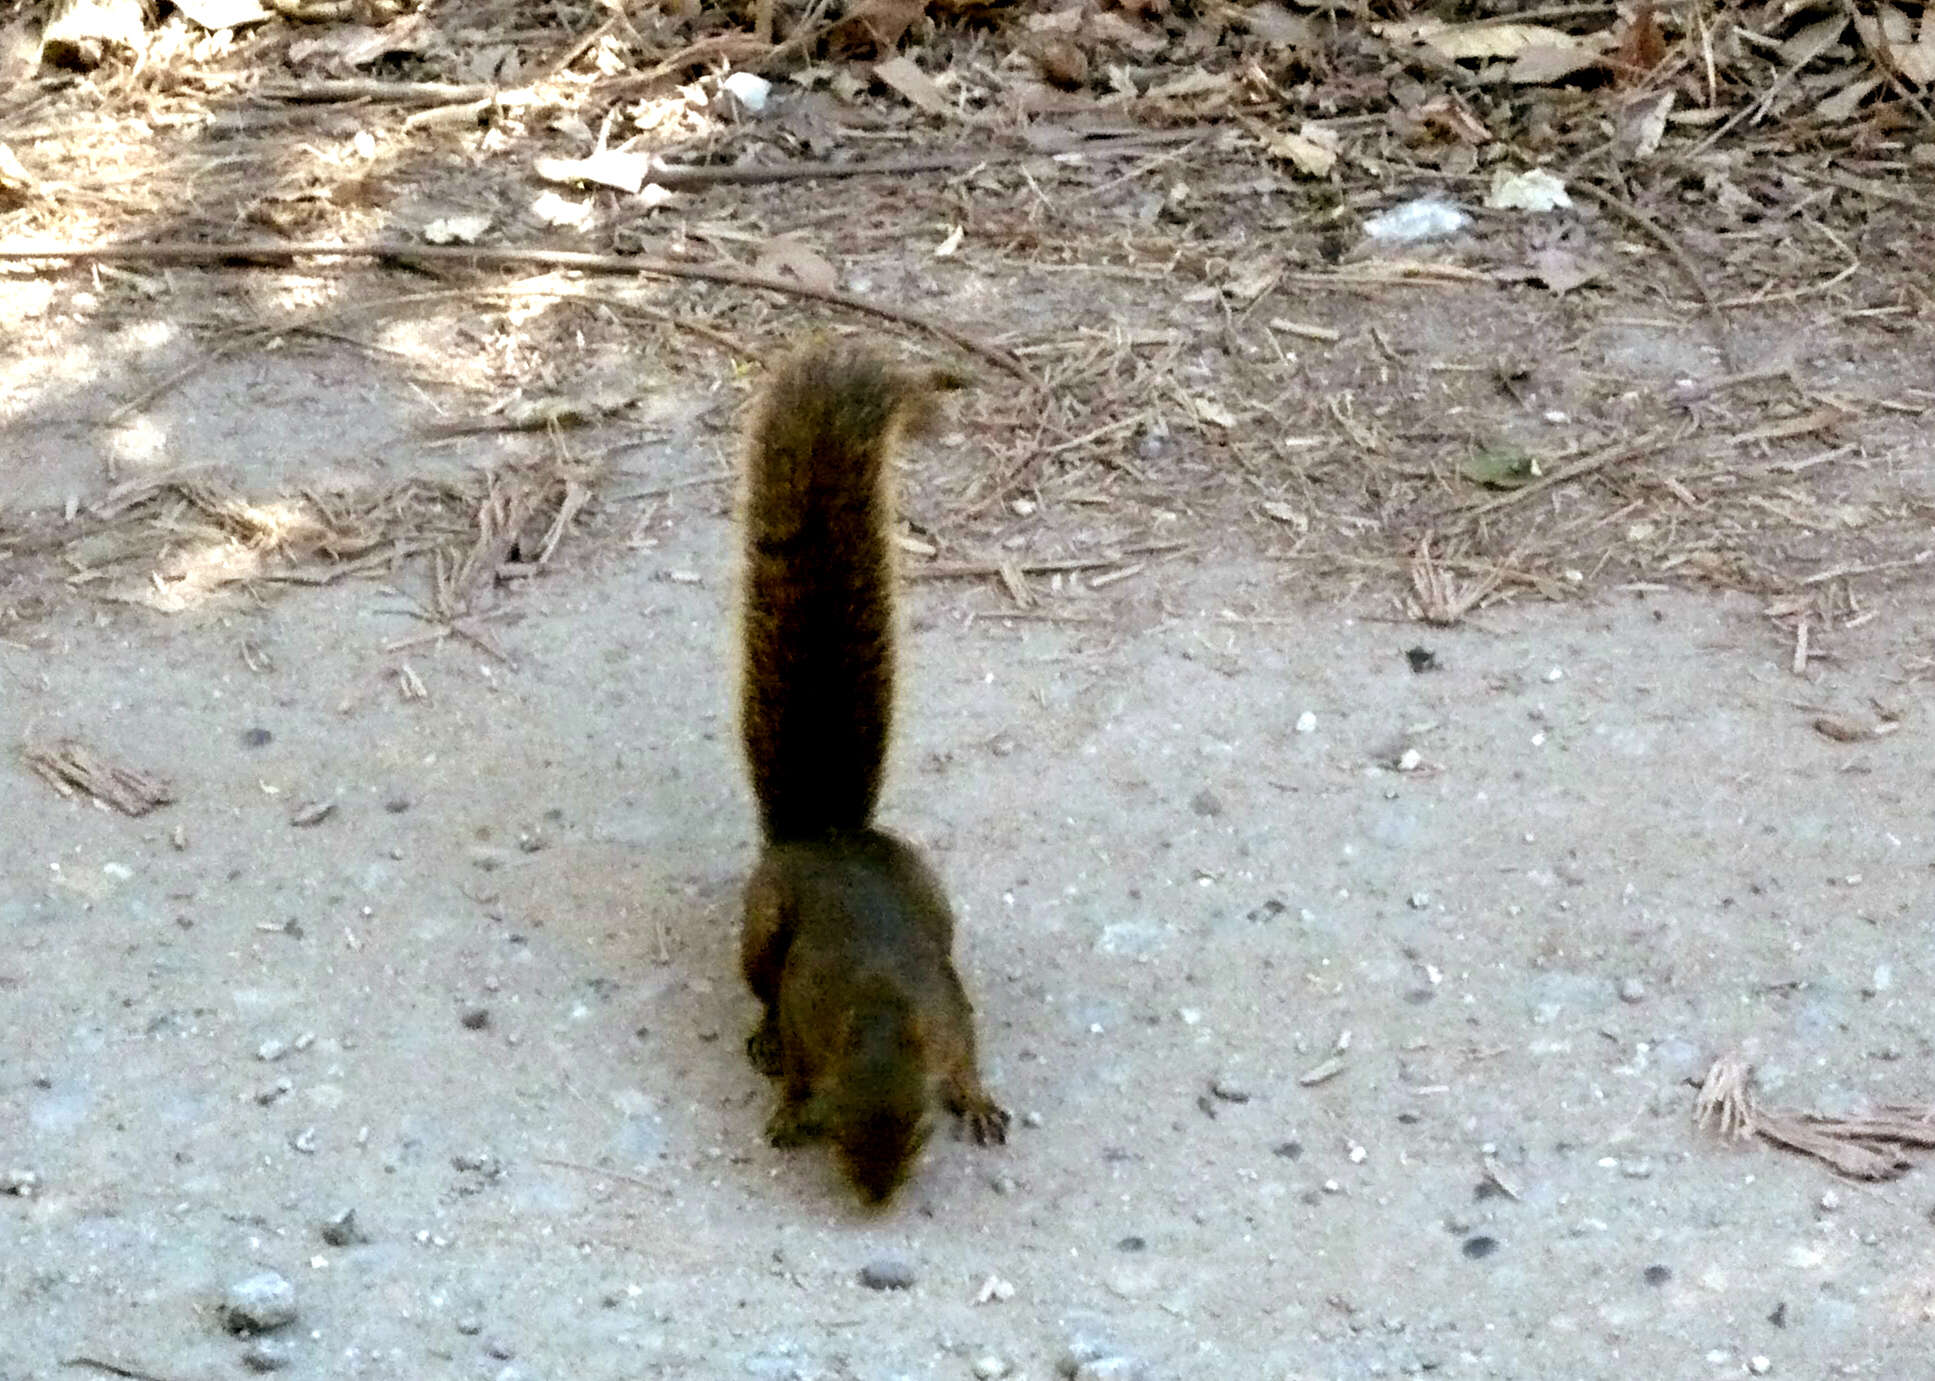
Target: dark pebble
(256,738)
(267,1354)
(1779,1317)
(1289,1150)
(887,1273)
(343,1230)
(1658,1275)
(1131,1244)
(1478,1248)
(475,1018)
(259,1303)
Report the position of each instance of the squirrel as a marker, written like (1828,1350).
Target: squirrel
(847,938)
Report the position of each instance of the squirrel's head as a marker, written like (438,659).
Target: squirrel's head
(879,1148)
(886,1100)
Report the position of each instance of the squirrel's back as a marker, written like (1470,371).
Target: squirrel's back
(817,689)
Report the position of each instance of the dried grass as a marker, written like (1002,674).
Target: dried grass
(1862,1148)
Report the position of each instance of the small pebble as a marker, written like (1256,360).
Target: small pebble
(1420,901)
(1306,723)
(1031,1119)
(271,1050)
(19,1184)
(267,1354)
(1658,1275)
(989,1367)
(1480,1247)
(304,1141)
(500,1349)
(1410,760)
(256,738)
(1115,1368)
(995,1290)
(475,1018)
(259,1303)
(1003,1184)
(342,1230)
(1760,1365)
(1131,1244)
(887,1273)
(1229,1088)
(1631,990)
(470,1325)
(1087,1359)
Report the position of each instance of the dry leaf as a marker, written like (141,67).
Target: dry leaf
(554,210)
(14,177)
(1112,29)
(884,21)
(1314,150)
(1543,64)
(1195,82)
(617,168)
(1914,58)
(1210,411)
(1562,270)
(216,15)
(1252,281)
(1279,28)
(1644,47)
(915,85)
(1063,63)
(457,230)
(1843,103)
(1534,190)
(356,45)
(1814,40)
(784,254)
(1456,41)
(1643,124)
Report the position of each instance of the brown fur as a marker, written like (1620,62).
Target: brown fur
(848,937)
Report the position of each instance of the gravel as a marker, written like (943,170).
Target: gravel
(888,1273)
(267,1354)
(259,1303)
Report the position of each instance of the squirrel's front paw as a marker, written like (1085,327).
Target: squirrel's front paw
(762,1048)
(794,1124)
(987,1120)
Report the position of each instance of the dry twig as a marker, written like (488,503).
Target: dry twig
(70,766)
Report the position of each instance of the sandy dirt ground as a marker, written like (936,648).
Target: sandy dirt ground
(487,1002)
(1350,977)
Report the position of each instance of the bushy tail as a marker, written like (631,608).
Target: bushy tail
(818,688)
